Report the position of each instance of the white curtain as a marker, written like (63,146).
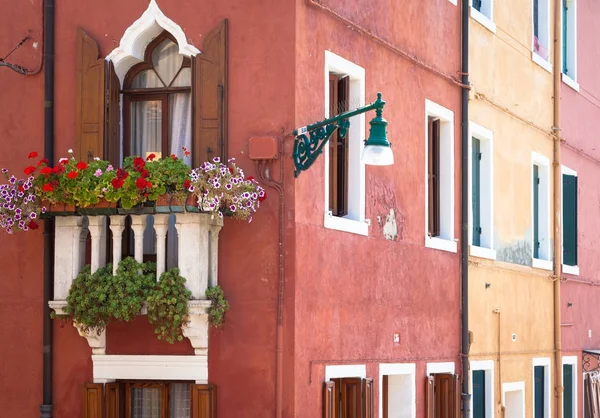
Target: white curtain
(146,402)
(180,400)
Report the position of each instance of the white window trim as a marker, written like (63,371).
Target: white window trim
(514,387)
(454,2)
(447,185)
(108,368)
(355,221)
(345,370)
(486,137)
(488,366)
(546,363)
(541,62)
(393,369)
(572,360)
(573,270)
(567,79)
(444,367)
(542,264)
(545,64)
(544,217)
(486,22)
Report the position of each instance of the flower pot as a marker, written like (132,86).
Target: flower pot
(163,204)
(69,210)
(103,207)
(191,204)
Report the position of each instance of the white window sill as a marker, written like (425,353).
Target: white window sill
(454,2)
(482,252)
(346,225)
(440,244)
(541,264)
(541,62)
(574,270)
(485,21)
(570,82)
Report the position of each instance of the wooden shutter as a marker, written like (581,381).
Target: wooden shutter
(367,401)
(351,397)
(342,148)
(92,400)
(568,393)
(539,395)
(434,176)
(113,400)
(569,220)
(210,98)
(430,397)
(384,395)
(90,101)
(204,401)
(112,130)
(446,396)
(478,403)
(476,190)
(329,400)
(333,148)
(536,212)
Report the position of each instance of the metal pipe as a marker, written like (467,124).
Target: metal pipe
(464,209)
(46,406)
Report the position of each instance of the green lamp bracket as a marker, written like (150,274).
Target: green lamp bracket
(311,139)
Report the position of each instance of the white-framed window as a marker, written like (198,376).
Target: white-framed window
(481,387)
(513,399)
(482,11)
(352,179)
(541,33)
(439,177)
(481,192)
(569,382)
(569,43)
(569,214)
(540,204)
(345,370)
(542,387)
(397,394)
(436,368)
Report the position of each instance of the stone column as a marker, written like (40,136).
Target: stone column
(138,224)
(117,226)
(192,233)
(161,226)
(97,227)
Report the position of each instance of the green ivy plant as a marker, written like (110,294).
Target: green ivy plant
(168,307)
(216,313)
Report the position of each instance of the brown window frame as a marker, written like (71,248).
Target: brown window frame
(348,397)
(433,176)
(339,95)
(165,387)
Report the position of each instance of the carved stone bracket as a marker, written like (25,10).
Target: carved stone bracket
(95,339)
(196,329)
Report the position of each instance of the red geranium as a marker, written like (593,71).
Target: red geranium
(29,170)
(46,171)
(58,169)
(117,183)
(81,165)
(33,154)
(122,174)
(139,163)
(150,157)
(250,178)
(43,162)
(187,184)
(144,173)
(33,225)
(63,161)
(173,157)
(48,187)
(21,189)
(72,175)
(140,183)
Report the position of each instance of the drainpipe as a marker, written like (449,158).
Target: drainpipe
(557,214)
(46,406)
(464,210)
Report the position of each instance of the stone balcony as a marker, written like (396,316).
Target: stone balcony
(197,259)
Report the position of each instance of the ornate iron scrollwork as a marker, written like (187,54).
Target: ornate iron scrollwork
(588,359)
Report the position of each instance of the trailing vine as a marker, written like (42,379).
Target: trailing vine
(168,306)
(216,313)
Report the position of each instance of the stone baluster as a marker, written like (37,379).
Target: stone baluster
(69,255)
(138,225)
(117,226)
(213,252)
(97,227)
(161,226)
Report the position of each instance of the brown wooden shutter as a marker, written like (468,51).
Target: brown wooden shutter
(333,148)
(113,401)
(457,397)
(429,397)
(368,409)
(90,102)
(384,395)
(342,146)
(92,400)
(445,396)
(204,401)
(433,176)
(351,397)
(112,145)
(210,97)
(329,400)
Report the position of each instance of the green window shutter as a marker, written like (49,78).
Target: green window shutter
(476,191)
(536,211)
(565,37)
(536,18)
(479,394)
(538,373)
(477,5)
(569,220)
(568,394)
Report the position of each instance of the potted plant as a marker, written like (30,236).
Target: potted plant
(19,208)
(174,174)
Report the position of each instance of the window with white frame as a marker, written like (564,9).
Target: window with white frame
(347,393)
(569,41)
(439,177)
(398,391)
(540,197)
(541,388)
(541,32)
(482,389)
(569,221)
(513,399)
(483,12)
(344,169)
(481,209)
(569,376)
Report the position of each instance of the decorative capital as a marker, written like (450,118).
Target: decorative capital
(196,328)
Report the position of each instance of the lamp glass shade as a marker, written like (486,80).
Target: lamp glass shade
(378,155)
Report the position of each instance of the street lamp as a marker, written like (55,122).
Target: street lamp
(311,139)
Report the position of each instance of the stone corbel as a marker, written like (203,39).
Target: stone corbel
(96,340)
(196,328)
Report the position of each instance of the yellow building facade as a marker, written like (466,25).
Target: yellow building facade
(511,306)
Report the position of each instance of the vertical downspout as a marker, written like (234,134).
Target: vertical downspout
(464,210)
(557,210)
(46,406)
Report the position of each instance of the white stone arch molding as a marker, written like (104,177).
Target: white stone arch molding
(137,37)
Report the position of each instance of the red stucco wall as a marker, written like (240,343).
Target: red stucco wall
(261,102)
(354,292)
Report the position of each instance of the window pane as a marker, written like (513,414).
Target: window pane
(146,128)
(145,80)
(184,78)
(180,400)
(146,403)
(180,125)
(166,60)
